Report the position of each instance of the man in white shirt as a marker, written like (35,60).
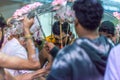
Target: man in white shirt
(17,63)
(14,48)
(113,66)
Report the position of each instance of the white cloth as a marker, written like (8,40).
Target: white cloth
(113,66)
(14,48)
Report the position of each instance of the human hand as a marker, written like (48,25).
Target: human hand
(49,46)
(27,23)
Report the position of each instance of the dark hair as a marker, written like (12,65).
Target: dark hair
(88,13)
(107,27)
(56,28)
(2,21)
(2,25)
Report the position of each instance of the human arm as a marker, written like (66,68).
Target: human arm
(29,42)
(48,53)
(14,62)
(27,23)
(58,72)
(60,69)
(52,49)
(30,76)
(44,56)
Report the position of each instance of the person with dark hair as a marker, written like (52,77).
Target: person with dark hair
(2,25)
(86,58)
(56,28)
(59,37)
(63,36)
(107,29)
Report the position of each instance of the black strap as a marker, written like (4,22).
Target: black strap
(94,56)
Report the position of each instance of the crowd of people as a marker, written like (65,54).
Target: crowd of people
(93,55)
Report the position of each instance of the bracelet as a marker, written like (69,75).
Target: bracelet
(28,37)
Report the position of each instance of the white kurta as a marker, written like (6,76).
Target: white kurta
(14,48)
(113,66)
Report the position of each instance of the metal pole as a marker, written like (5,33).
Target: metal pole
(37,16)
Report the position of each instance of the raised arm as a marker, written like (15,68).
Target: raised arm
(29,41)
(14,62)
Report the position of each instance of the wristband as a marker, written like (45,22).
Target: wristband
(28,36)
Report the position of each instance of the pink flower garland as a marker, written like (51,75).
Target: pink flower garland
(59,2)
(117,15)
(19,15)
(65,14)
(24,10)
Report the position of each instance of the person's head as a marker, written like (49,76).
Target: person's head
(65,28)
(88,15)
(2,22)
(107,29)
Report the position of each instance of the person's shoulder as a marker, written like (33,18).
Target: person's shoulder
(116,48)
(115,53)
(67,50)
(72,48)
(108,40)
(73,52)
(10,44)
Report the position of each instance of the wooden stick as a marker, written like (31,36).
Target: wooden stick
(61,46)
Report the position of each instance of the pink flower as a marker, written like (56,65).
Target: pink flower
(65,14)
(117,15)
(59,2)
(26,9)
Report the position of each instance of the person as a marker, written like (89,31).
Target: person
(86,58)
(58,38)
(15,47)
(107,29)
(63,36)
(112,69)
(14,62)
(55,39)
(2,26)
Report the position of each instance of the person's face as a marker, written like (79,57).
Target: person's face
(107,35)
(79,30)
(60,39)
(22,41)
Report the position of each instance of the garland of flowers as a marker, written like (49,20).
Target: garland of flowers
(18,15)
(117,15)
(63,13)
